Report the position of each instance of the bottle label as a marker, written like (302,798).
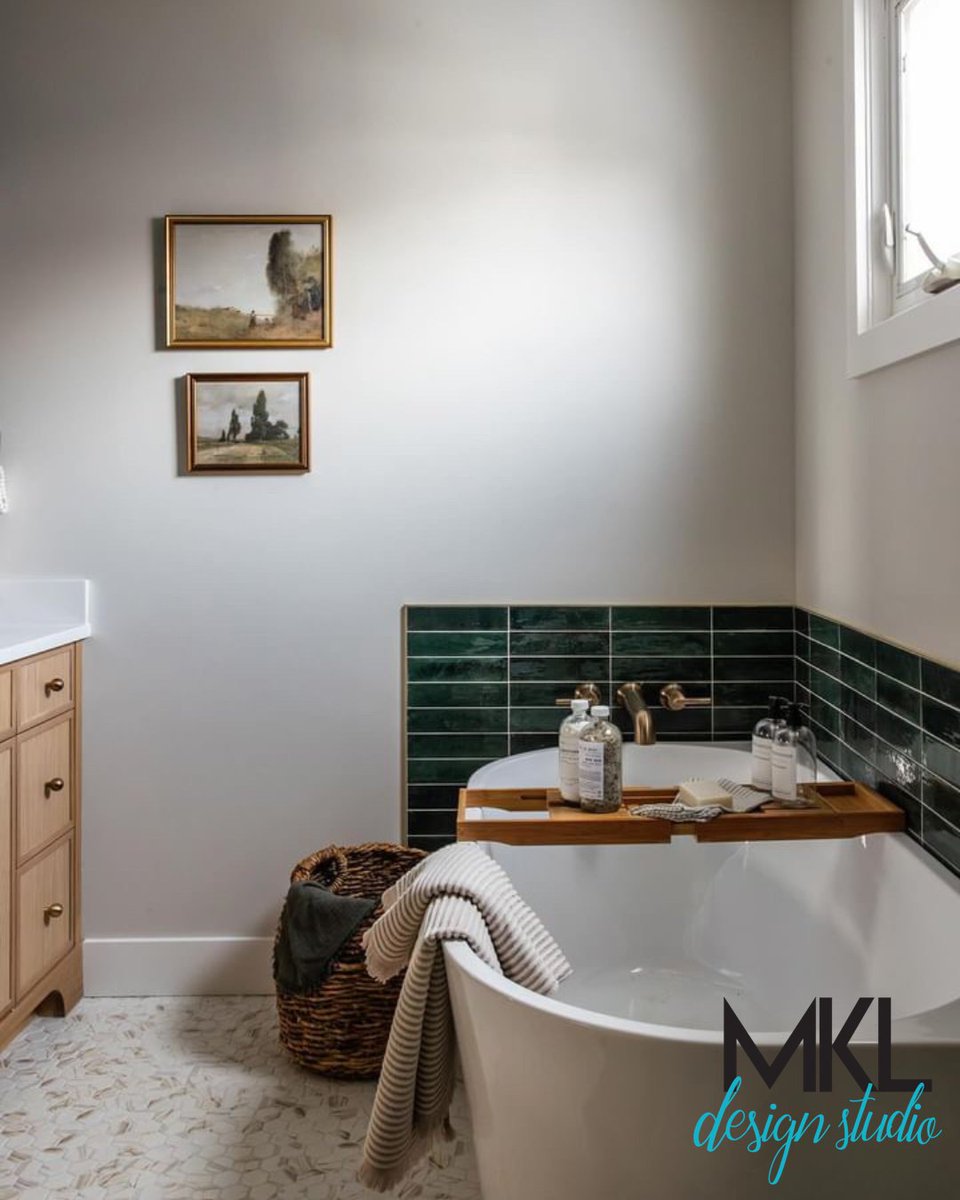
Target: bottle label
(761,774)
(590,768)
(569,768)
(783,771)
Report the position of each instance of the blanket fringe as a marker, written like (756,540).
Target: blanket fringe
(425,1141)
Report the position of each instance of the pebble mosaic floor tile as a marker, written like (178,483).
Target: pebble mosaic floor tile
(188,1099)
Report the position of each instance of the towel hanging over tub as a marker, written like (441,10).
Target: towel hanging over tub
(457,894)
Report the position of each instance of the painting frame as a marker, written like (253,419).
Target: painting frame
(193,457)
(313,338)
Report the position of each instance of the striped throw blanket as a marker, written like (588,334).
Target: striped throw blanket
(459,893)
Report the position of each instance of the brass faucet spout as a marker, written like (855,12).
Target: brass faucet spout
(631,694)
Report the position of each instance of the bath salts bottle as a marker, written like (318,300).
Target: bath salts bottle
(601,763)
(570,732)
(763,734)
(793,762)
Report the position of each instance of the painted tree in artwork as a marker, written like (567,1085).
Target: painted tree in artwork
(260,421)
(283,269)
(233,431)
(262,429)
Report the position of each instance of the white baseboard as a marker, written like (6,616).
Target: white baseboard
(178,966)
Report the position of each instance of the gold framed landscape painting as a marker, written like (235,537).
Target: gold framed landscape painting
(257,424)
(247,283)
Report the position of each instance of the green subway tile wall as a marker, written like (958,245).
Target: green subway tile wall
(890,718)
(482,681)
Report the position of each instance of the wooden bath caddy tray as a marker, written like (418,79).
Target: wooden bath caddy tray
(843,810)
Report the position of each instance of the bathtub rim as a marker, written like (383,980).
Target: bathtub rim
(463,957)
(825,771)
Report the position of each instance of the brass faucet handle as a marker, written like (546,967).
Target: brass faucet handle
(672,696)
(583,691)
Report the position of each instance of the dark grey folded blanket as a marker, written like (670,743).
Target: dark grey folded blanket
(314,925)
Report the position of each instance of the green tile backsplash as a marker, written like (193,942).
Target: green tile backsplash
(658,617)
(482,682)
(566,618)
(889,717)
(445,618)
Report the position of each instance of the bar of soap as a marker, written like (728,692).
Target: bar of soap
(698,793)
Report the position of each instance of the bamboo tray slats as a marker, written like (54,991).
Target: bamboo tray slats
(843,810)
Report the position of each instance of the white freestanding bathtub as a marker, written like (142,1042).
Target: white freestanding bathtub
(594,1093)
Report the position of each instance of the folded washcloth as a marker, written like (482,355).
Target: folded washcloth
(460,894)
(677,811)
(314,925)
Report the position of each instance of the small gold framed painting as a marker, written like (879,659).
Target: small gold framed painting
(248,283)
(247,424)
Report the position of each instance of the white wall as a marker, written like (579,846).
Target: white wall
(563,261)
(878,484)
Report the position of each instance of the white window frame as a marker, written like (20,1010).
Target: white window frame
(909,292)
(886,322)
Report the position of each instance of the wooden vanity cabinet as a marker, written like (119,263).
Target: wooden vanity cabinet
(6,879)
(40,942)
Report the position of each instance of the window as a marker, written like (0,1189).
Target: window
(903,179)
(926,43)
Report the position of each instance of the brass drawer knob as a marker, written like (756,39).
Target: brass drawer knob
(51,912)
(52,785)
(53,685)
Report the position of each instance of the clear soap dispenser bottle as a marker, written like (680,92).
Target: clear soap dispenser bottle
(793,762)
(763,734)
(601,763)
(570,731)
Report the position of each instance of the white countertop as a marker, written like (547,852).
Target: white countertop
(42,614)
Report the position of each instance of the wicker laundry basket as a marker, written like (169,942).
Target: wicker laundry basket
(341,1027)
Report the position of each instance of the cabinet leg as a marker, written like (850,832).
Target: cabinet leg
(55,996)
(67,988)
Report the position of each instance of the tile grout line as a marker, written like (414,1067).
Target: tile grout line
(509,684)
(876,755)
(926,809)
(841,741)
(597,654)
(920,691)
(923,792)
(921,729)
(713,679)
(872,699)
(610,696)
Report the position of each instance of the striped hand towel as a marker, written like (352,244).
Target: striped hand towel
(459,893)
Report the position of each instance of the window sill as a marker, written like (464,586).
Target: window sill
(932,323)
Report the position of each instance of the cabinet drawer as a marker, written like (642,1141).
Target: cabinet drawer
(44,687)
(44,915)
(6,703)
(44,786)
